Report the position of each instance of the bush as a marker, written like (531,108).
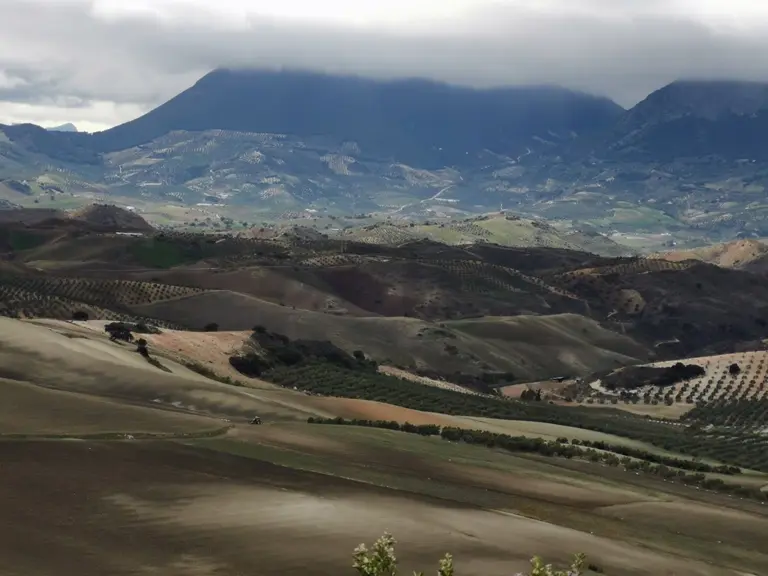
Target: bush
(80,316)
(211,327)
(382,561)
(119,331)
(141,347)
(144,328)
(250,364)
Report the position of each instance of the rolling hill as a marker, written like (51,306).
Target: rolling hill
(496,228)
(130,458)
(751,255)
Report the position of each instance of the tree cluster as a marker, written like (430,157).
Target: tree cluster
(637,376)
(271,350)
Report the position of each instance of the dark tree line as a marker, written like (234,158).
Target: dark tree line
(640,460)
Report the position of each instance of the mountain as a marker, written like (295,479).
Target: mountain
(688,161)
(694,119)
(68,127)
(419,122)
(69,147)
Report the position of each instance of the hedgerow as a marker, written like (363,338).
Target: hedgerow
(639,460)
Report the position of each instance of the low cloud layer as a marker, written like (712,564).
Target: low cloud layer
(102,62)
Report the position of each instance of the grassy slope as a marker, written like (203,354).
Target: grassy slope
(628,509)
(568,342)
(29,410)
(93,365)
(504,344)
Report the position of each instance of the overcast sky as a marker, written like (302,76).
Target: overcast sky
(98,63)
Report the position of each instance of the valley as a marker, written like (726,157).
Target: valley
(453,393)
(285,312)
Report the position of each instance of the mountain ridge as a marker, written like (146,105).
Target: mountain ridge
(689,159)
(415,121)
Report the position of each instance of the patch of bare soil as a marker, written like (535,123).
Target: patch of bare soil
(209,349)
(546,387)
(370,410)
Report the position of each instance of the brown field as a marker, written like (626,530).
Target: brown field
(261,282)
(290,497)
(26,409)
(546,387)
(159,508)
(84,361)
(77,357)
(524,345)
(210,349)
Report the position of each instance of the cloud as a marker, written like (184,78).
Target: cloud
(103,61)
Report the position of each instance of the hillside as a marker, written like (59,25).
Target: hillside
(468,346)
(82,418)
(672,308)
(106,216)
(496,228)
(751,255)
(729,393)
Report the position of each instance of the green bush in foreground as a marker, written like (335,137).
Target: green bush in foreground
(381,561)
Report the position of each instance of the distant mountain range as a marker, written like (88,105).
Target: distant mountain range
(68,127)
(693,120)
(692,156)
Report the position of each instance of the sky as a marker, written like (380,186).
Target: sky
(98,63)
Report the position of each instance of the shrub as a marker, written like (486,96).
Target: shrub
(250,364)
(141,347)
(211,327)
(79,315)
(119,331)
(382,561)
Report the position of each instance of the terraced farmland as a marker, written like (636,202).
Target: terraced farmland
(728,377)
(17,303)
(107,293)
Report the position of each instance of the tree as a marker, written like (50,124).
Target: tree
(80,315)
(118,331)
(141,347)
(382,561)
(359,355)
(211,327)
